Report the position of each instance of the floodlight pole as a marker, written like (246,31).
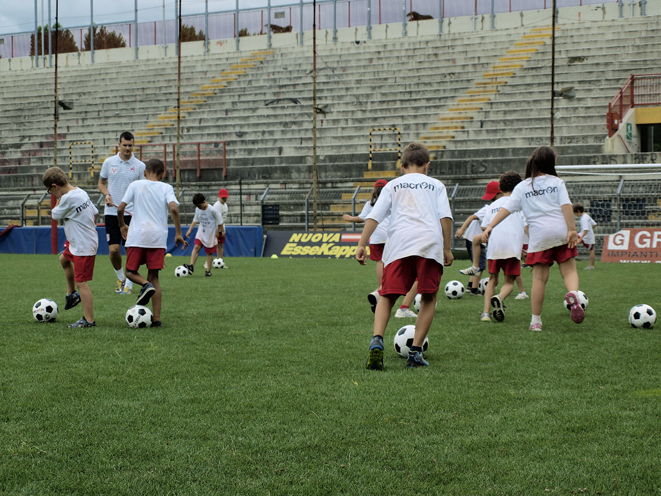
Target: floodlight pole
(315,177)
(552,70)
(178,158)
(53,200)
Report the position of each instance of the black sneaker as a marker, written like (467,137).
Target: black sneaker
(157,323)
(190,268)
(375,358)
(416,360)
(146,293)
(72,300)
(83,323)
(207,273)
(498,308)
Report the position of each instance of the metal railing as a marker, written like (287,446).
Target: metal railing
(638,91)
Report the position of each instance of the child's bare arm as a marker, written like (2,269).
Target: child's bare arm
(190,229)
(361,251)
(502,214)
(460,232)
(568,213)
(351,218)
(178,238)
(446,227)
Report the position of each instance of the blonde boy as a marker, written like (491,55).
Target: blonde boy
(79,214)
(418,246)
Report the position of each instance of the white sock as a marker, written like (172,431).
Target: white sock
(536,319)
(476,269)
(120,274)
(129,284)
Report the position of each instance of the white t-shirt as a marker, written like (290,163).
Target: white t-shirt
(119,174)
(415,203)
(586,225)
(221,208)
(506,239)
(78,213)
(208,221)
(380,234)
(149,225)
(547,227)
(474,228)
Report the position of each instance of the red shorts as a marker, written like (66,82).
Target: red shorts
(208,251)
(589,247)
(376,253)
(558,254)
(152,257)
(399,276)
(83,267)
(510,266)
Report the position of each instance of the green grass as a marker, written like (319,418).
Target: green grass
(256,385)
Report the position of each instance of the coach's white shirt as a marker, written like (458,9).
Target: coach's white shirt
(208,221)
(149,225)
(78,212)
(119,174)
(415,203)
(506,239)
(541,201)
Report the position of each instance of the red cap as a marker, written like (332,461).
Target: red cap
(493,188)
(380,183)
(224,194)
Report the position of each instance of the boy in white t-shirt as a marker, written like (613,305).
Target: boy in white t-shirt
(418,246)
(147,235)
(586,233)
(504,249)
(79,214)
(211,223)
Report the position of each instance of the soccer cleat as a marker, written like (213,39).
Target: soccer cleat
(157,323)
(375,358)
(373,298)
(403,313)
(475,292)
(498,310)
(207,273)
(486,317)
(589,267)
(72,300)
(416,360)
(521,296)
(190,268)
(574,303)
(470,271)
(536,327)
(83,323)
(126,290)
(146,293)
(120,286)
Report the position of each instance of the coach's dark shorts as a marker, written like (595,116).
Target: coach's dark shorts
(113,233)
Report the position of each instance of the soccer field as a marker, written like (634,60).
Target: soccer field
(256,384)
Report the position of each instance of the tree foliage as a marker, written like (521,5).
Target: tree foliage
(65,41)
(188,33)
(104,39)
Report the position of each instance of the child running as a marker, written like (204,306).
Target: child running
(377,242)
(147,235)
(418,246)
(504,250)
(587,234)
(211,223)
(79,214)
(543,198)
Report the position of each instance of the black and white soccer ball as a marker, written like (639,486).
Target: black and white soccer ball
(218,263)
(139,316)
(181,271)
(454,290)
(482,286)
(404,341)
(642,316)
(416,302)
(45,310)
(582,298)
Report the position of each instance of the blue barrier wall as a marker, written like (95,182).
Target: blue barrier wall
(241,241)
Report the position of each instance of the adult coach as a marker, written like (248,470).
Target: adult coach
(117,173)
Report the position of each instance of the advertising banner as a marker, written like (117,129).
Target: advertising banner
(302,244)
(633,246)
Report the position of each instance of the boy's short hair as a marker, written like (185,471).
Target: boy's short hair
(54,175)
(578,208)
(415,154)
(198,199)
(154,166)
(508,181)
(125,135)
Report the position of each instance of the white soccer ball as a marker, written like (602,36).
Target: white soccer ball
(582,298)
(139,316)
(642,316)
(482,286)
(454,290)
(218,263)
(45,310)
(404,341)
(417,300)
(181,271)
